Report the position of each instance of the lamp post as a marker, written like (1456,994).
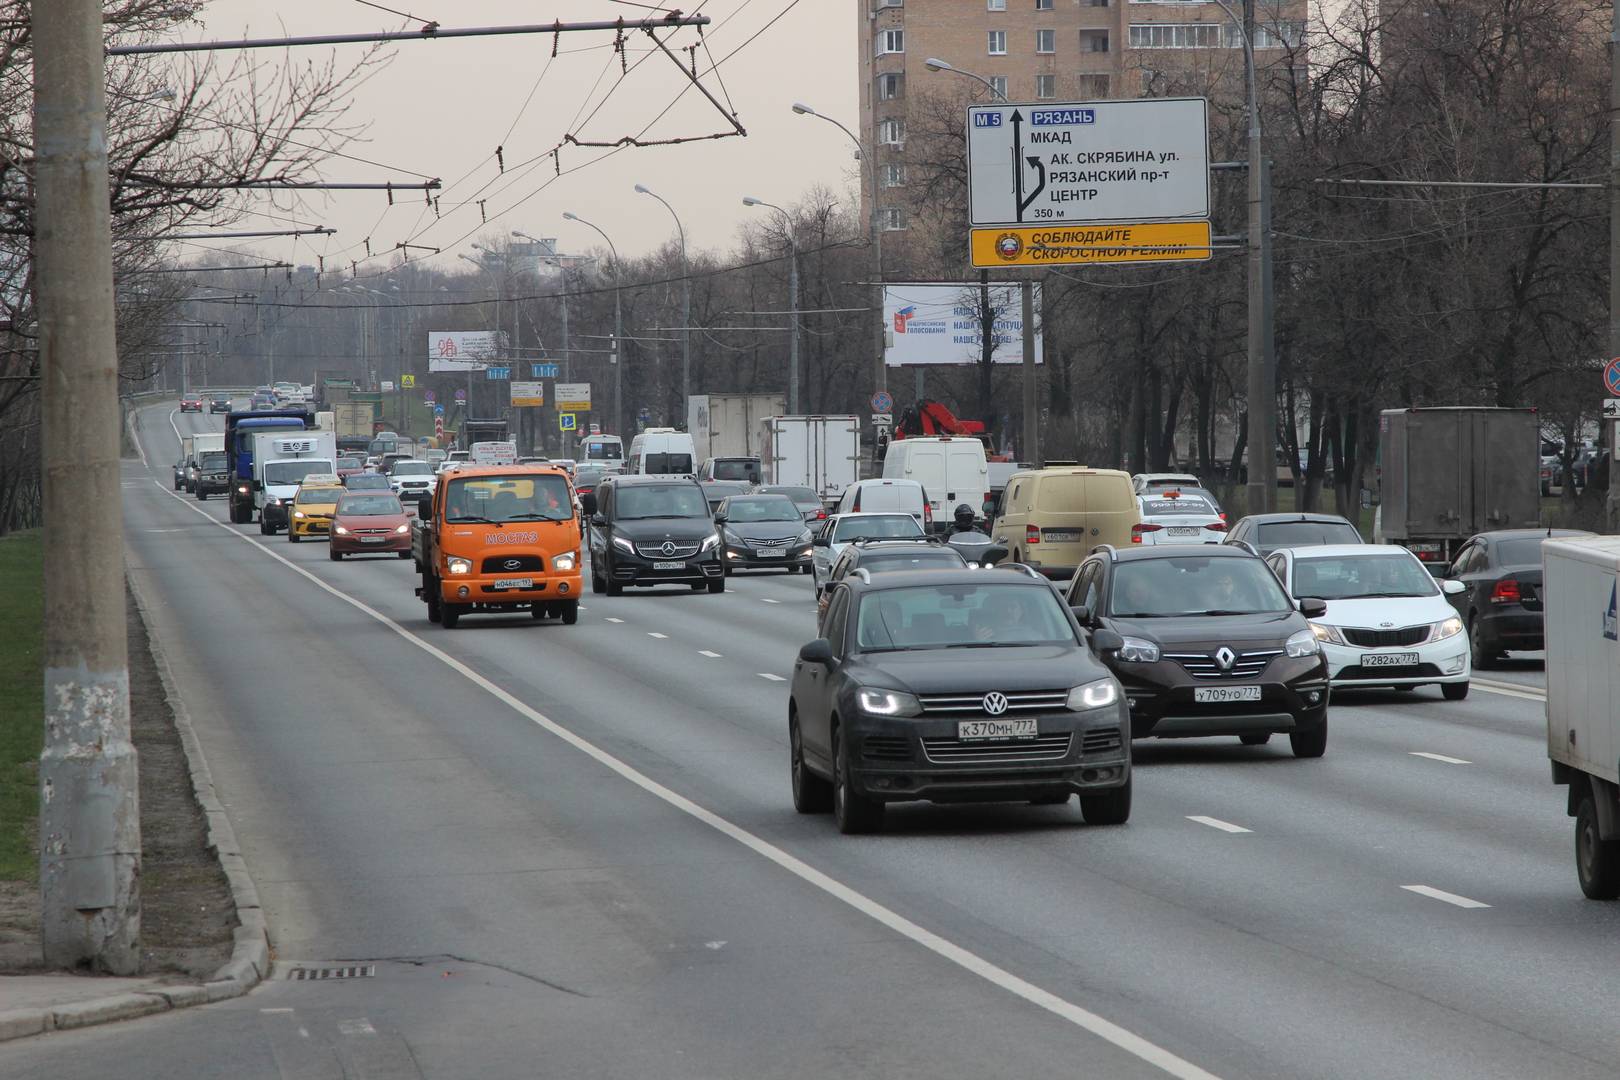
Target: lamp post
(686,299)
(1030,444)
(1262,367)
(793,300)
(880,372)
(618,324)
(499,291)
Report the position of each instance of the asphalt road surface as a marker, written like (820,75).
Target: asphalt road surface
(570,852)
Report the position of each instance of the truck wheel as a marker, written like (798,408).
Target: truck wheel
(449,615)
(1309,744)
(430,592)
(1483,659)
(1110,808)
(570,612)
(1454,691)
(1597,861)
(717,585)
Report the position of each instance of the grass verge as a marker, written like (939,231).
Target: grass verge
(22,647)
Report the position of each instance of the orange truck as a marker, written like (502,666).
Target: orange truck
(494,538)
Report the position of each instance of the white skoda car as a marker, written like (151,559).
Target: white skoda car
(1388,623)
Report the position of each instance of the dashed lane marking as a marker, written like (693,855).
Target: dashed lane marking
(768,600)
(656,634)
(772,678)
(613,620)
(1217,823)
(710,655)
(1444,897)
(1439,757)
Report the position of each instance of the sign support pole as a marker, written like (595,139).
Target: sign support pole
(1031,448)
(1611,500)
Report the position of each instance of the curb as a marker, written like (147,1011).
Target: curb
(250,957)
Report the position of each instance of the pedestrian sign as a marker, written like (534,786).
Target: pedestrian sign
(567,422)
(407,382)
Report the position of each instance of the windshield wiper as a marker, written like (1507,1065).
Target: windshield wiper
(537,517)
(1381,595)
(1225,611)
(463,520)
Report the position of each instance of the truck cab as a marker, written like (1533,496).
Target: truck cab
(241,428)
(499,538)
(280,464)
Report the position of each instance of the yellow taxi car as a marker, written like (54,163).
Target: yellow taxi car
(314,505)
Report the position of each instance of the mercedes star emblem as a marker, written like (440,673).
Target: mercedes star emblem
(1225,657)
(668,548)
(995,703)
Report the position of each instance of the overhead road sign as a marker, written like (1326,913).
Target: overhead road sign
(528,395)
(1138,160)
(497,373)
(1090,245)
(545,371)
(573,397)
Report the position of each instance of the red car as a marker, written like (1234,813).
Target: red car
(368,523)
(191,403)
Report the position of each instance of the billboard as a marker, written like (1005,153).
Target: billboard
(941,324)
(460,350)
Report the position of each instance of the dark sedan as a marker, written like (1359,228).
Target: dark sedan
(763,532)
(219,404)
(1266,533)
(1501,603)
(805,498)
(718,491)
(954,686)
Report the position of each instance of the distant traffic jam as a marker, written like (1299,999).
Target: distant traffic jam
(983,631)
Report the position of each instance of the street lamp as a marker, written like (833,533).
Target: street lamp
(618,324)
(936,64)
(686,299)
(875,234)
(793,300)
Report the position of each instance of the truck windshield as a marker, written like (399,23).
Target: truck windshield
(288,473)
(508,498)
(660,501)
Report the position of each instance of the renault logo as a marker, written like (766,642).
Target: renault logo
(513,564)
(995,703)
(1225,658)
(668,548)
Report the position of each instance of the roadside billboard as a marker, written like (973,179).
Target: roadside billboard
(461,350)
(942,324)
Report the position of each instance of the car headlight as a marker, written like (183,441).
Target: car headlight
(565,561)
(888,703)
(1093,695)
(1139,651)
(624,545)
(402,528)
(1327,633)
(710,542)
(340,530)
(460,566)
(298,513)
(1442,630)
(1303,643)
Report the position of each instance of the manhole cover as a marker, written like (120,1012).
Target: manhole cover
(354,971)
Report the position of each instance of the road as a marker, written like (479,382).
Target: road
(570,852)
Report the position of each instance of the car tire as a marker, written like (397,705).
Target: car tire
(1597,861)
(1309,744)
(1110,808)
(615,589)
(1483,660)
(1454,691)
(264,526)
(292,535)
(598,586)
(334,554)
(811,793)
(430,592)
(538,612)
(449,615)
(570,612)
(854,813)
(717,585)
(725,571)
(404,554)
(202,496)
(1259,738)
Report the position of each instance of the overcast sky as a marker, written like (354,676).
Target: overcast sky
(440,108)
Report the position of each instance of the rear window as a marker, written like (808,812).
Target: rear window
(923,560)
(1284,534)
(874,526)
(1519,552)
(736,470)
(667,463)
(1187,504)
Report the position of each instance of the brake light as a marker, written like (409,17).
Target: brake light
(1506,591)
(821,515)
(1216,526)
(1223,515)
(857,507)
(1032,534)
(928,513)
(1143,527)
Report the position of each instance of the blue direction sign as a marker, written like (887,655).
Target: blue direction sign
(545,371)
(1611,377)
(882,402)
(497,373)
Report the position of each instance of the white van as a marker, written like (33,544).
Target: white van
(662,452)
(887,497)
(608,448)
(953,470)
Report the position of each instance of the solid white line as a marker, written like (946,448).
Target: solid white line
(710,655)
(970,962)
(613,620)
(1439,757)
(773,678)
(656,634)
(1217,823)
(1445,897)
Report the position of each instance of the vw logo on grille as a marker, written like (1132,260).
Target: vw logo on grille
(512,564)
(995,703)
(1225,657)
(668,548)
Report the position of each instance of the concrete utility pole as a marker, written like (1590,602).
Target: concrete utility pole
(89,821)
(1032,416)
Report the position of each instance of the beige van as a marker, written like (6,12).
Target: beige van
(1053,518)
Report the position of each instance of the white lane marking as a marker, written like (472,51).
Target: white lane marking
(773,678)
(1110,1032)
(275,1010)
(361,1026)
(715,945)
(1444,897)
(613,620)
(710,655)
(768,600)
(656,634)
(1217,823)
(1528,693)
(1439,757)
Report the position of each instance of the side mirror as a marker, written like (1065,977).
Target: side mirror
(1312,607)
(993,554)
(1453,587)
(818,651)
(599,521)
(587,502)
(820,541)
(719,519)
(1082,613)
(1106,641)
(424,507)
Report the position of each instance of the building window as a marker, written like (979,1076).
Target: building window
(1177,35)
(995,5)
(894,175)
(1275,36)
(891,3)
(1094,41)
(998,87)
(892,131)
(1046,87)
(1046,41)
(1043,5)
(1097,3)
(998,43)
(1093,87)
(893,218)
(891,87)
(891,41)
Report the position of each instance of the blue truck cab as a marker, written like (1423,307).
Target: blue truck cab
(240,427)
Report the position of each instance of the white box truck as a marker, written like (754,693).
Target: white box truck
(728,425)
(280,463)
(1580,579)
(820,452)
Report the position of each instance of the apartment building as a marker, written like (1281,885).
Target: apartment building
(1046,50)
